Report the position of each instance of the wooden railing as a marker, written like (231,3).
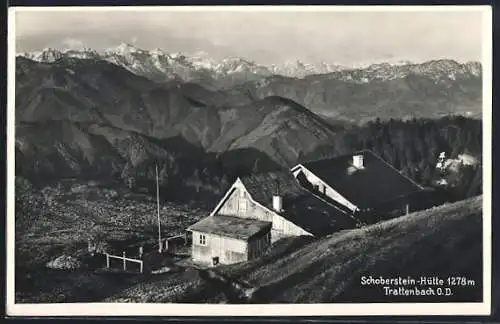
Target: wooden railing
(165,247)
(125,259)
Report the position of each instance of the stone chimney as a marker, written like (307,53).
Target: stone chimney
(357,161)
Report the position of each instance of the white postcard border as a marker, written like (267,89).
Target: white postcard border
(128,309)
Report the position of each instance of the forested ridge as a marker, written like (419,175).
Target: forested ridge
(411,146)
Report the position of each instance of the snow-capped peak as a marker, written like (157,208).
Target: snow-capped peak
(123,49)
(163,65)
(299,68)
(157,52)
(46,55)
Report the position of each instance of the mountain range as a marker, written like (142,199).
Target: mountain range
(149,97)
(93,109)
(430,89)
(161,66)
(158,65)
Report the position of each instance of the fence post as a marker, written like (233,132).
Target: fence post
(185,238)
(166,245)
(124,262)
(141,251)
(141,266)
(107,260)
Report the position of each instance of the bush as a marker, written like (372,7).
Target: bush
(64,262)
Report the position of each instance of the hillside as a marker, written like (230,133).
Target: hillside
(53,150)
(445,240)
(274,125)
(89,118)
(100,93)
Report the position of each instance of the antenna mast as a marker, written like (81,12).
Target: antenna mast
(158,209)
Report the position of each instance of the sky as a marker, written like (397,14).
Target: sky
(264,36)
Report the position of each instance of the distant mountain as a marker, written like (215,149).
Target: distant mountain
(384,90)
(200,67)
(160,66)
(276,115)
(188,67)
(110,99)
(300,69)
(431,89)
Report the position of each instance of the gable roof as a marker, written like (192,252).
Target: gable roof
(230,226)
(377,183)
(300,206)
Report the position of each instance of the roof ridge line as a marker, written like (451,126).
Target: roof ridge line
(335,157)
(401,173)
(329,203)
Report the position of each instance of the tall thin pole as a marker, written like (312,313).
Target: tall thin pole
(158,209)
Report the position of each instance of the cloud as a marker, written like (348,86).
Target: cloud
(73,43)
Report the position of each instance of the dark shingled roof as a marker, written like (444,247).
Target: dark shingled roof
(239,228)
(375,184)
(300,206)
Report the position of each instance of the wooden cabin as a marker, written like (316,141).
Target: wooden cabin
(361,183)
(258,210)
(227,239)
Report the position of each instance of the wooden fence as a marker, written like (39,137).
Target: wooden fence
(125,259)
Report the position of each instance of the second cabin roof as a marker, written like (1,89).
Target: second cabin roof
(376,183)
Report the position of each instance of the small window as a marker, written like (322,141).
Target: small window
(242,193)
(203,239)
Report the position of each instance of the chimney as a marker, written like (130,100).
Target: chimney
(277,199)
(357,161)
(277,203)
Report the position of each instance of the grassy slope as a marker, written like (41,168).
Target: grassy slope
(440,241)
(53,222)
(189,286)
